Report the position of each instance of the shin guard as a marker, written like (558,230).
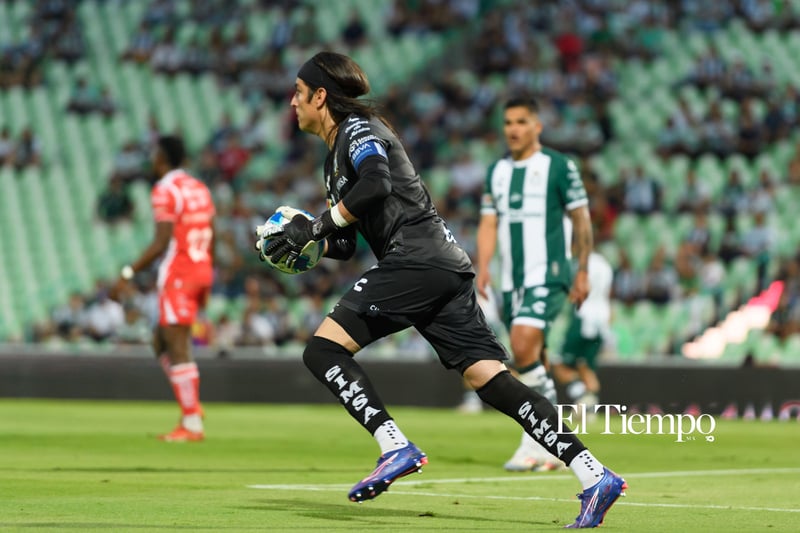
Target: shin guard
(534,413)
(334,366)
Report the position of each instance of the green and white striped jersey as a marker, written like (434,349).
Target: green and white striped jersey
(531,199)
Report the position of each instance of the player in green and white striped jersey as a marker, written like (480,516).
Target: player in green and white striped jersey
(534,209)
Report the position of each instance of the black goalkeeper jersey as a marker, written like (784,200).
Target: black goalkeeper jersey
(403,229)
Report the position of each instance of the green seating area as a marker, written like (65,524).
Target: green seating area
(52,242)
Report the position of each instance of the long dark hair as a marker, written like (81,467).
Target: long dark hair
(352,82)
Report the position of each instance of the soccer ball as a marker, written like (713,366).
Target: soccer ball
(306,261)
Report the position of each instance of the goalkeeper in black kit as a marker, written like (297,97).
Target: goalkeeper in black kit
(423,279)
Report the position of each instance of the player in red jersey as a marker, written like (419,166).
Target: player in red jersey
(183,211)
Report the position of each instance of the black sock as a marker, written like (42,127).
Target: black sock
(533,412)
(334,366)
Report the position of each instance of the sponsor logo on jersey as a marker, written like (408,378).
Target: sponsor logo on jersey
(363,149)
(340,183)
(355,122)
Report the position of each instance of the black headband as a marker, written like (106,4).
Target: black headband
(315,77)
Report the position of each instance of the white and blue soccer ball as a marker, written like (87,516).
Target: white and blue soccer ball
(310,256)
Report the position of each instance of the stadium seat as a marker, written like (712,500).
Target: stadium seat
(790,349)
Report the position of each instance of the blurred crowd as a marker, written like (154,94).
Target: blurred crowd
(20,152)
(450,121)
(54,32)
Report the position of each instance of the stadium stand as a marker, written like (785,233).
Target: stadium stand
(626,89)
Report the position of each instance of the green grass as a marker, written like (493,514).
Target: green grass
(81,466)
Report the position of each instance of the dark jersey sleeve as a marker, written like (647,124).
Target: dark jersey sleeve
(367,154)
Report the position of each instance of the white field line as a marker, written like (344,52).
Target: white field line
(559,477)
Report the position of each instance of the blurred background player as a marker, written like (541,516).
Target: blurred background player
(575,367)
(183,211)
(533,201)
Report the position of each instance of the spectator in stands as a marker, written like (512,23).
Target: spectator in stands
(759,14)
(130,163)
(709,70)
(790,105)
(106,104)
(793,170)
(254,132)
(717,135)
(84,97)
(196,59)
(629,285)
(6,147)
(671,140)
(9,75)
(239,56)
(142,44)
(750,138)
(160,12)
(167,57)
(70,45)
(711,275)
(699,236)
(733,197)
(730,246)
(227,334)
(642,193)
(70,315)
(283,31)
(233,157)
(354,33)
(27,151)
(774,125)
(467,177)
(104,316)
(220,134)
(134,329)
(267,78)
(207,167)
(114,204)
(695,194)
(661,279)
(152,133)
(739,81)
(256,328)
(757,244)
(785,320)
(570,46)
(687,267)
(762,196)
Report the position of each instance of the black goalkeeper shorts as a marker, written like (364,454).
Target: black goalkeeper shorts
(440,304)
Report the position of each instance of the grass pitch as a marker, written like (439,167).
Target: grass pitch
(81,466)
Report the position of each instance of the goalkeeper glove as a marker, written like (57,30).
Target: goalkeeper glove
(293,238)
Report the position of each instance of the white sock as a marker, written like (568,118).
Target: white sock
(193,423)
(575,390)
(539,380)
(390,437)
(587,469)
(536,377)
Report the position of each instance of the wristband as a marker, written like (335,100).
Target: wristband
(337,217)
(127,272)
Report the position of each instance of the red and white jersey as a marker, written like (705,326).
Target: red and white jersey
(186,202)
